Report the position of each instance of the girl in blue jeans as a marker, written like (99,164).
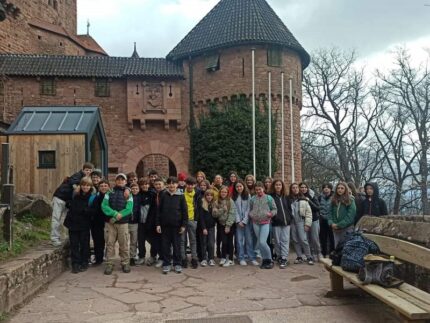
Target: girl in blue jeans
(262,209)
(244,241)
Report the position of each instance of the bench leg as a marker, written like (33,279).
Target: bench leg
(336,282)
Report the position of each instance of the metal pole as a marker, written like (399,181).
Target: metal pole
(282,128)
(293,168)
(5,164)
(253,115)
(270,124)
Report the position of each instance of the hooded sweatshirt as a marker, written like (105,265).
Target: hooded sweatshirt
(372,205)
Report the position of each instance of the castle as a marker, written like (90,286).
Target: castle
(146,102)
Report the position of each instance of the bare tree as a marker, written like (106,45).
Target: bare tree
(408,88)
(337,112)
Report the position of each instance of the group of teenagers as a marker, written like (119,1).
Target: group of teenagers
(244,220)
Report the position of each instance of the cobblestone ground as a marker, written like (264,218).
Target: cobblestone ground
(295,294)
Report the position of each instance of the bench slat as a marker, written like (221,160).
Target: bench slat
(401,249)
(415,292)
(411,299)
(403,306)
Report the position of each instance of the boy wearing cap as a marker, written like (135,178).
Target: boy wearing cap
(118,206)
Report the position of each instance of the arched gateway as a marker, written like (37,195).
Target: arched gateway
(146,155)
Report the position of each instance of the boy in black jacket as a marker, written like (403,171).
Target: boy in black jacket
(171,220)
(62,196)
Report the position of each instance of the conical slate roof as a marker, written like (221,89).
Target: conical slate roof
(238,22)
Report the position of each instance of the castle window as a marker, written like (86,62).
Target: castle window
(274,56)
(102,88)
(47,86)
(46,159)
(50,3)
(1,87)
(212,63)
(55,4)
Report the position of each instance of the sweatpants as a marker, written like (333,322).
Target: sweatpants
(59,212)
(132,231)
(98,236)
(326,237)
(79,247)
(141,240)
(281,235)
(190,231)
(207,244)
(118,232)
(300,240)
(314,238)
(171,239)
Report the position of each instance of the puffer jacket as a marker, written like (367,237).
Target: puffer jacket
(301,211)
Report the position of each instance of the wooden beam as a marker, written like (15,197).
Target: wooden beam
(401,249)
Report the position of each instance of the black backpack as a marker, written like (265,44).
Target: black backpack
(355,248)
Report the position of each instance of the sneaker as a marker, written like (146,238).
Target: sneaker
(283,263)
(243,263)
(83,268)
(222,261)
(75,269)
(298,260)
(150,261)
(204,263)
(56,243)
(178,269)
(269,264)
(185,263)
(255,263)
(159,263)
(211,262)
(228,263)
(132,262)
(108,269)
(310,261)
(166,269)
(126,268)
(140,261)
(194,263)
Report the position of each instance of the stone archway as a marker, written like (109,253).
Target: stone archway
(156,148)
(164,166)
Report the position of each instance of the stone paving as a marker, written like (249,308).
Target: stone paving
(146,295)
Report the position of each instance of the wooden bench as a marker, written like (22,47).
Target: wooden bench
(410,303)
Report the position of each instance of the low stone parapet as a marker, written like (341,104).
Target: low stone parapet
(23,277)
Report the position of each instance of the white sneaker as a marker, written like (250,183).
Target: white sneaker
(243,263)
(159,264)
(211,262)
(222,261)
(228,263)
(255,263)
(150,261)
(204,263)
(140,261)
(56,243)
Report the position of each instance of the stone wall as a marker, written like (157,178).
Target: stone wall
(22,278)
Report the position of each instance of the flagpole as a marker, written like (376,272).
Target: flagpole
(270,124)
(282,128)
(253,115)
(293,168)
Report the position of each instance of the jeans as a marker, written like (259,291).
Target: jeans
(245,243)
(262,232)
(314,238)
(191,231)
(300,240)
(340,234)
(326,237)
(281,234)
(59,211)
(207,244)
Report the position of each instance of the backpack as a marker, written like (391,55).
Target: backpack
(380,271)
(354,250)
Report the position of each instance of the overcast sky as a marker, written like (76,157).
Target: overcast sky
(372,27)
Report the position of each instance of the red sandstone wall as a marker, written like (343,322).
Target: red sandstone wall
(17,36)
